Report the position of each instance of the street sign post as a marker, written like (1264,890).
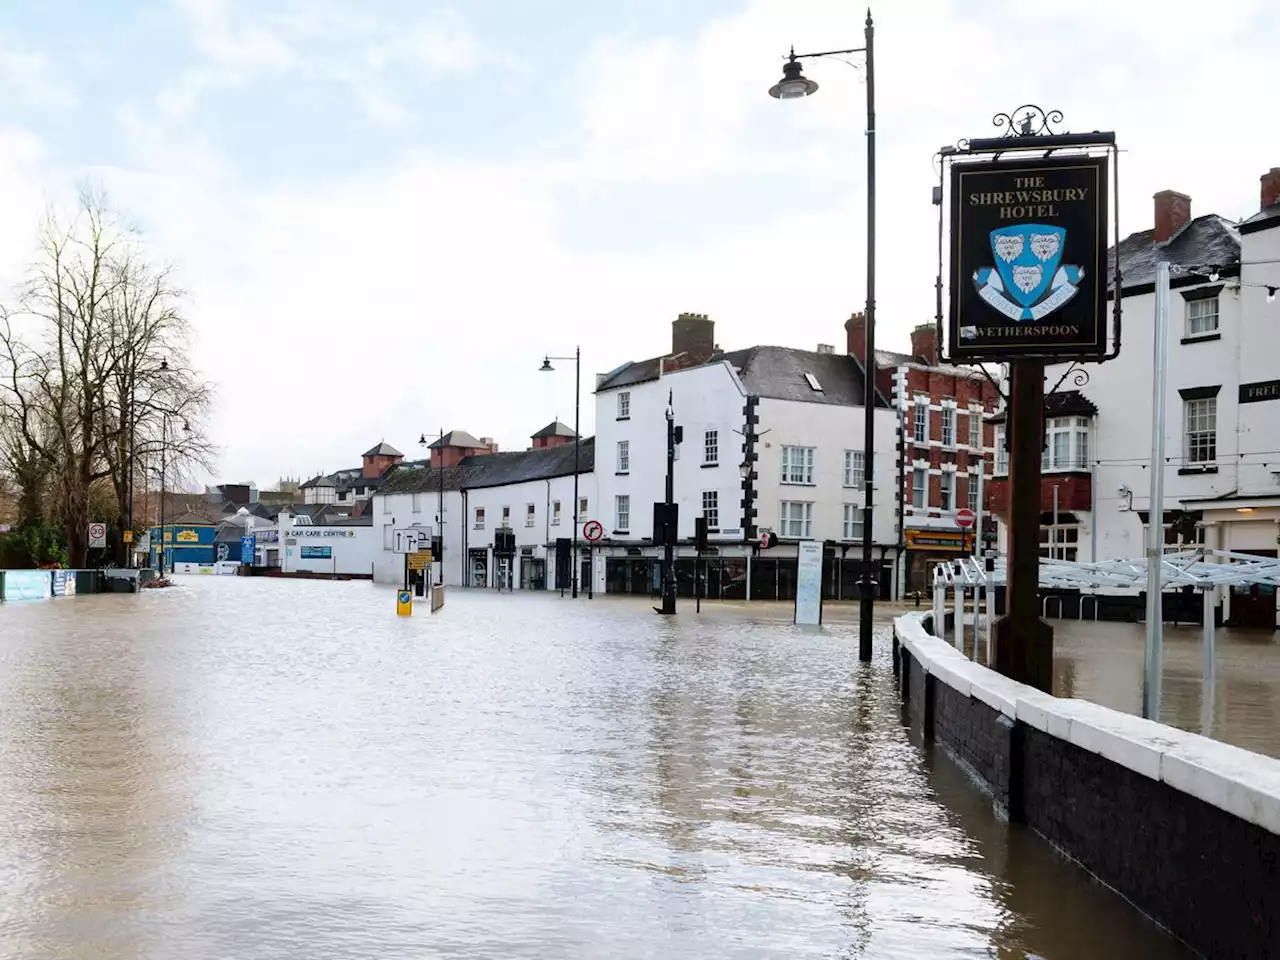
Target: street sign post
(128,536)
(964,518)
(419,560)
(97,536)
(411,539)
(593,530)
(248,546)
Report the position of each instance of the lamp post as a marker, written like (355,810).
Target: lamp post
(577,446)
(422,441)
(164,447)
(669,524)
(793,86)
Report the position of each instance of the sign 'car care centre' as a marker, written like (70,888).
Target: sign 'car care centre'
(1029,259)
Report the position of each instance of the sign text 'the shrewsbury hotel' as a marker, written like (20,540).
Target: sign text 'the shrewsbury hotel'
(1029,258)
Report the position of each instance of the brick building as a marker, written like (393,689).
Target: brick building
(945,442)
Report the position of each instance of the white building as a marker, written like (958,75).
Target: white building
(808,480)
(530,493)
(1222,440)
(293,544)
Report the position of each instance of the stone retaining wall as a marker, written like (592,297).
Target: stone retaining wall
(1186,828)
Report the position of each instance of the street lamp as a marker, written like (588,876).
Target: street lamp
(422,442)
(669,525)
(793,86)
(577,448)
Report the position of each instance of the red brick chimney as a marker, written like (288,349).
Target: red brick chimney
(1173,210)
(1270,188)
(855,329)
(924,343)
(693,334)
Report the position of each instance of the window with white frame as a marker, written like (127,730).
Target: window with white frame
(582,510)
(919,487)
(853,526)
(797,519)
(711,446)
(624,405)
(855,468)
(417,503)
(530,514)
(555,513)
(1066,444)
(506,516)
(920,432)
(973,491)
(1002,452)
(975,428)
(797,465)
(1202,316)
(622,513)
(948,426)
(624,456)
(1061,542)
(711,508)
(1200,443)
(1174,541)
(479,518)
(947,491)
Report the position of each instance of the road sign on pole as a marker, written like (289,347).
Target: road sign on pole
(97,535)
(593,530)
(964,518)
(411,539)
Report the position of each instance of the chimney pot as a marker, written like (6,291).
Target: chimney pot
(924,343)
(855,329)
(693,334)
(1270,187)
(1173,211)
(826,348)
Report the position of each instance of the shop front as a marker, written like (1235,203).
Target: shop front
(925,549)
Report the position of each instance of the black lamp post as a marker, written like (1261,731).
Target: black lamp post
(422,441)
(577,446)
(669,523)
(793,86)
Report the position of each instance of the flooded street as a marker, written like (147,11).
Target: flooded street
(1102,662)
(248,768)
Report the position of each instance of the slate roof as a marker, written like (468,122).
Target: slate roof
(891,358)
(1264,219)
(318,481)
(775,373)
(383,449)
(496,469)
(1065,403)
(457,438)
(554,429)
(1208,240)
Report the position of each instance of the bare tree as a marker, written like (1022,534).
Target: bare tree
(93,365)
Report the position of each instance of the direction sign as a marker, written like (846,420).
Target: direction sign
(593,530)
(128,536)
(964,518)
(411,539)
(419,560)
(97,535)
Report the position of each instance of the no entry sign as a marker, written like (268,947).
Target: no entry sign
(964,518)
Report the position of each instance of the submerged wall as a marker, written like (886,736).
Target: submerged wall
(1186,828)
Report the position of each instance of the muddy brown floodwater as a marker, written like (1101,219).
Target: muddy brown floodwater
(245,768)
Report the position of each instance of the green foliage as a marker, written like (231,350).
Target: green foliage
(31,545)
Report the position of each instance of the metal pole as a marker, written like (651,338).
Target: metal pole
(959,598)
(164,447)
(440,509)
(669,532)
(939,607)
(866,592)
(977,612)
(1209,686)
(990,566)
(1153,666)
(1053,540)
(577,446)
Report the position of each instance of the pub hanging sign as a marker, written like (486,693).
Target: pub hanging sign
(1029,259)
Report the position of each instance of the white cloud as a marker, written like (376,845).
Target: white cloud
(423,292)
(31,78)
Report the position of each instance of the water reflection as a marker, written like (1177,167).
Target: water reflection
(254,769)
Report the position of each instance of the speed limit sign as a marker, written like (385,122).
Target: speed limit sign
(593,530)
(97,535)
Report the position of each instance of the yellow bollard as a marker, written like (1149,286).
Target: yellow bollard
(404,603)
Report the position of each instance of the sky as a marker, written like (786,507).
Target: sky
(386,212)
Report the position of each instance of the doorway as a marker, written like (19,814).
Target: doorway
(1253,605)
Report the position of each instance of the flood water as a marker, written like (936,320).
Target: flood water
(1103,662)
(245,768)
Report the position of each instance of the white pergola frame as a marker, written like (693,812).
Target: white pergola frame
(1203,569)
